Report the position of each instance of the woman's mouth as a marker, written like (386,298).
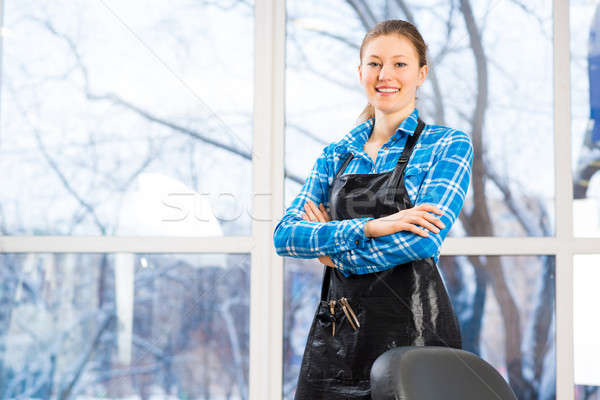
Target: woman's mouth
(386,91)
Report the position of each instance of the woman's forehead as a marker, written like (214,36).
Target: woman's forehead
(394,56)
(390,46)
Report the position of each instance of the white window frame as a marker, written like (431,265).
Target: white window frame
(266,287)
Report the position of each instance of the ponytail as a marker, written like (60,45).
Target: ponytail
(366,114)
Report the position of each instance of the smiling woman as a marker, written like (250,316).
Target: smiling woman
(375,210)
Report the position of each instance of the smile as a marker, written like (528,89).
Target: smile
(386,91)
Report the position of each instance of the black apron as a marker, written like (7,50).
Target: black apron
(406,305)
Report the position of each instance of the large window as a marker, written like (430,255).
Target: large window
(125,139)
(124,118)
(124,325)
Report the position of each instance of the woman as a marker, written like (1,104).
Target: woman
(393,186)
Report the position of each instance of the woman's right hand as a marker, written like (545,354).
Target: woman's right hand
(417,220)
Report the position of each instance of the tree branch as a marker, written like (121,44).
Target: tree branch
(439,114)
(363,13)
(64,394)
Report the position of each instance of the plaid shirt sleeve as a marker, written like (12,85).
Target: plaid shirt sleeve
(295,237)
(445,185)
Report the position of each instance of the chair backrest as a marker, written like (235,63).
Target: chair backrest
(435,373)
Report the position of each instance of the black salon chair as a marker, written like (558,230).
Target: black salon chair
(435,373)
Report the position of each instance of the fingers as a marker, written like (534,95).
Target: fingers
(413,220)
(324,212)
(424,212)
(434,220)
(429,207)
(415,229)
(309,212)
(417,215)
(326,260)
(315,214)
(421,223)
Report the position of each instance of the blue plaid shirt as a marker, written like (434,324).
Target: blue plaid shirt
(438,172)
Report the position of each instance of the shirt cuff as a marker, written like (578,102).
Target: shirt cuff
(355,234)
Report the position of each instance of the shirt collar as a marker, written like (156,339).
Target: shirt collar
(409,125)
(355,140)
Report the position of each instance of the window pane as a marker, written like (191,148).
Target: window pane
(121,122)
(301,296)
(505,305)
(131,326)
(585,123)
(586,325)
(506,106)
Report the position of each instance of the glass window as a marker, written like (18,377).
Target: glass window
(488,80)
(124,325)
(505,306)
(302,292)
(120,122)
(585,123)
(586,275)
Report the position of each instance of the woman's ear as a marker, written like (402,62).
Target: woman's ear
(423,71)
(359,73)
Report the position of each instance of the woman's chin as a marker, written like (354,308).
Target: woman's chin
(386,109)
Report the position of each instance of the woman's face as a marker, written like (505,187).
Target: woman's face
(390,73)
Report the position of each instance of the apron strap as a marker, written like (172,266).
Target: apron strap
(398,173)
(344,165)
(340,171)
(410,143)
(325,284)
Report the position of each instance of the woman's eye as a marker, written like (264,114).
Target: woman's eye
(373,64)
(401,64)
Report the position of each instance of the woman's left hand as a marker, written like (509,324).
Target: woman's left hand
(317,214)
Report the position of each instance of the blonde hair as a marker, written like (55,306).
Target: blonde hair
(389,27)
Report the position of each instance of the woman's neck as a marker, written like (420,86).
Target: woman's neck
(386,124)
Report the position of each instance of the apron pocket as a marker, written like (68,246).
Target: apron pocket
(348,356)
(333,357)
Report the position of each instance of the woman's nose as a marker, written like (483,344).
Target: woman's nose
(384,73)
